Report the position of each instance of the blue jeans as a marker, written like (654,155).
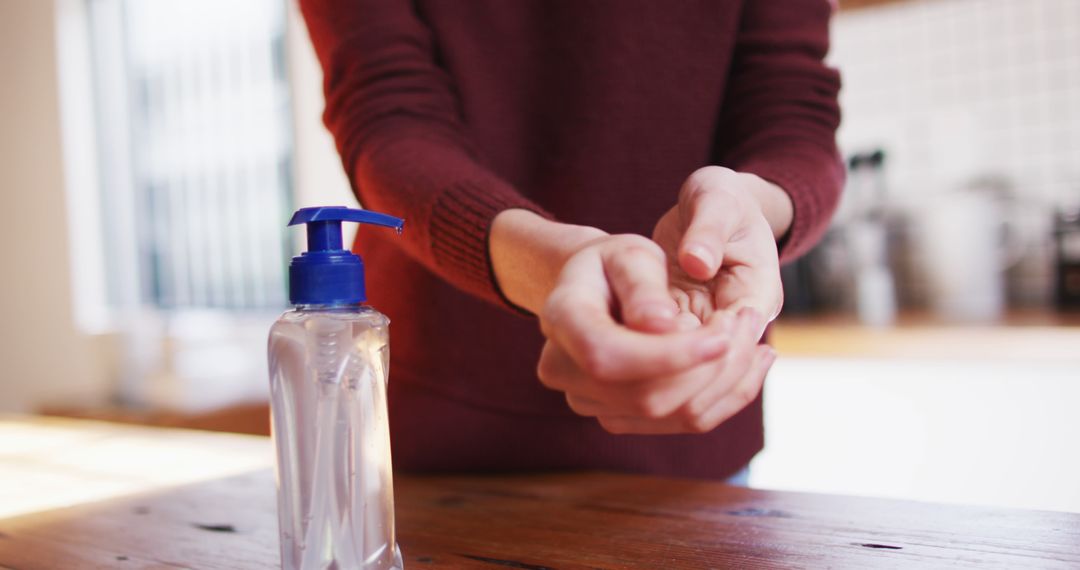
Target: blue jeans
(741,478)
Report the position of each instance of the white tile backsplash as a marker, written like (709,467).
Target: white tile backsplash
(956,89)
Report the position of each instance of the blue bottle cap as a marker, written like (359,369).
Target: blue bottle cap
(328,274)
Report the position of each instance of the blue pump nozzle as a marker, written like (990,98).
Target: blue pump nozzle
(328,274)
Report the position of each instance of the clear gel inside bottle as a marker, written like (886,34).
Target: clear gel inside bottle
(328,376)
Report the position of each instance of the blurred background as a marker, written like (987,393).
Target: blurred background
(151,152)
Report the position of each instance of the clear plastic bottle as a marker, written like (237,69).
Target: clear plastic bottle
(329,360)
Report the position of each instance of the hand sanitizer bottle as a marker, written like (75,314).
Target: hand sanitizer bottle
(328,373)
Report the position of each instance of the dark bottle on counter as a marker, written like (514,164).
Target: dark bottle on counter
(1067,249)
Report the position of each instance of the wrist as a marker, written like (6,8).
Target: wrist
(774,201)
(528,251)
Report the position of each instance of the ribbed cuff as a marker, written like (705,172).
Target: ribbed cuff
(460,225)
(814,192)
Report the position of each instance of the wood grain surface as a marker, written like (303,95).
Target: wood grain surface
(532,522)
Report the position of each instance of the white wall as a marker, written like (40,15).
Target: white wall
(320,179)
(43,358)
(957,88)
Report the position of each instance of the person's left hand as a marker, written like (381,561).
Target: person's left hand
(721,248)
(720,245)
(723,273)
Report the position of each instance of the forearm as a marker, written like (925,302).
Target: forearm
(775,204)
(812,179)
(393,111)
(780,113)
(528,252)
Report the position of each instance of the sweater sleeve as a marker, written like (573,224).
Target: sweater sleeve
(780,112)
(396,122)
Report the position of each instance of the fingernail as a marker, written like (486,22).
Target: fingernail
(656,313)
(710,347)
(703,254)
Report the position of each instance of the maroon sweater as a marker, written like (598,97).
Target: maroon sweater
(592,112)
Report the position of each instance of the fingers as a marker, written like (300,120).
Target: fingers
(606,350)
(589,397)
(694,401)
(654,399)
(739,360)
(686,319)
(745,391)
(624,348)
(755,285)
(700,413)
(637,274)
(712,218)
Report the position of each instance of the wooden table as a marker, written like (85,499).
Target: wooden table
(141,514)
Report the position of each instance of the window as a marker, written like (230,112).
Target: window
(179,145)
(194,144)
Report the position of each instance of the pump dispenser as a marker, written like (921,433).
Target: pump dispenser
(327,274)
(329,359)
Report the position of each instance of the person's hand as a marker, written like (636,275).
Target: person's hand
(720,243)
(721,267)
(639,349)
(621,350)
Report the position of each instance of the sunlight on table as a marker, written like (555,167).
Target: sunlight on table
(48,463)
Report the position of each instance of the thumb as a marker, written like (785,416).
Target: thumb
(711,222)
(756,287)
(637,274)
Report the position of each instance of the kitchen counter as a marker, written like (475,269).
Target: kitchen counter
(1020,335)
(83,494)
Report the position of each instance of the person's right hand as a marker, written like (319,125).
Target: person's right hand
(621,351)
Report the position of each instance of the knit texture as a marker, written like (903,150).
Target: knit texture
(586,111)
